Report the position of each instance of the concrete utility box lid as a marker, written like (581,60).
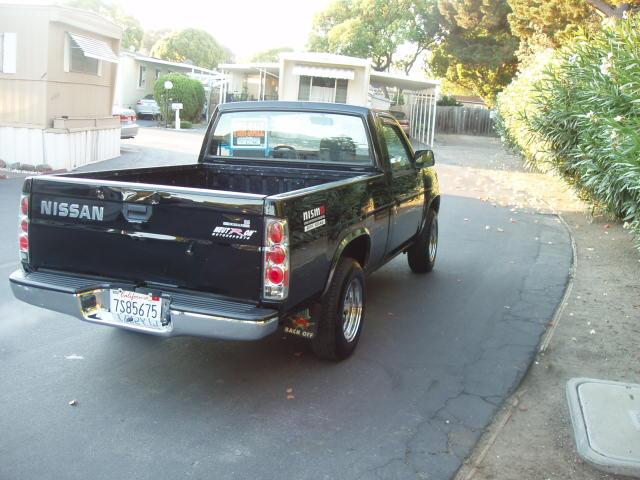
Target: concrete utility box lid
(606,423)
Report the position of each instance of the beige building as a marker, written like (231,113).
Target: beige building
(137,74)
(324,77)
(57,77)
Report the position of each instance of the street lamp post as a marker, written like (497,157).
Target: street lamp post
(168,85)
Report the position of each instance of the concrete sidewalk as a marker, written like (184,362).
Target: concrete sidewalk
(594,333)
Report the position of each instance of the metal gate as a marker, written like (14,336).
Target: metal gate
(422,116)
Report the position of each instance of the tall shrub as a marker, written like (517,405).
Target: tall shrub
(517,103)
(587,110)
(185,90)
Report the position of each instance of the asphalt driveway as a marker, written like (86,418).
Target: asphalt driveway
(438,355)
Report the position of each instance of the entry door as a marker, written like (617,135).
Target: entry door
(407,188)
(322,89)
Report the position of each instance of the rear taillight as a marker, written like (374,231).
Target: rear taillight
(276,260)
(23,239)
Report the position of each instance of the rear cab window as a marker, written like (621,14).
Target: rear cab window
(292,135)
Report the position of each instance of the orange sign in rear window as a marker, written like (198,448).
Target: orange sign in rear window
(249,133)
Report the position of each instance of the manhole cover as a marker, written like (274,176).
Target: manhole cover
(606,423)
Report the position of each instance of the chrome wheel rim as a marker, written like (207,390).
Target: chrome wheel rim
(352,310)
(433,240)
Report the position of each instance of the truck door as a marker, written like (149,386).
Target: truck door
(406,187)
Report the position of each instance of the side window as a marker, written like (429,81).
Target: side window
(76,50)
(399,156)
(142,76)
(7,52)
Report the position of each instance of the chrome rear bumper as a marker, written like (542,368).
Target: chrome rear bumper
(188,313)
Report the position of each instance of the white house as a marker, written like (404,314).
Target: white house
(137,74)
(323,77)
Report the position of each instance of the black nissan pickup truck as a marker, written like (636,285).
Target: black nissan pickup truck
(289,207)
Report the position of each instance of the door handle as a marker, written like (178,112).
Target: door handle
(135,213)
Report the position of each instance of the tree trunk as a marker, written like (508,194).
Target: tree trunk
(609,10)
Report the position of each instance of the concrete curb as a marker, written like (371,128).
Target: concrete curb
(468,470)
(546,341)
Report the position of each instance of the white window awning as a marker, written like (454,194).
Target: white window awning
(325,72)
(93,48)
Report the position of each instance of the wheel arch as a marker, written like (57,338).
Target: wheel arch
(357,245)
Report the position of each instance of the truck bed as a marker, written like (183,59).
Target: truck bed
(250,178)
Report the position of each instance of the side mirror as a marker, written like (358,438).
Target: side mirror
(424,158)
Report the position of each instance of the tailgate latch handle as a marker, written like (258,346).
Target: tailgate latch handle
(135,213)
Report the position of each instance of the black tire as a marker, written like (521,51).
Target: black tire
(332,342)
(422,254)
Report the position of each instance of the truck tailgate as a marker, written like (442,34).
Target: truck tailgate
(185,237)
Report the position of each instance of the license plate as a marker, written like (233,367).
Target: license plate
(139,309)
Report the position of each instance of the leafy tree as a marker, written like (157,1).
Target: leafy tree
(150,38)
(191,44)
(132,33)
(185,90)
(547,23)
(131,29)
(478,50)
(424,30)
(270,55)
(375,29)
(552,23)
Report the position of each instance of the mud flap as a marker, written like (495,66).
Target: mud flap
(300,324)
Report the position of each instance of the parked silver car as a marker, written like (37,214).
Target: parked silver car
(147,106)
(128,125)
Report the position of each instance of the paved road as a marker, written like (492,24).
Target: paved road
(438,354)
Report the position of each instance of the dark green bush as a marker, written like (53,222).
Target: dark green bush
(448,101)
(185,90)
(581,119)
(185,124)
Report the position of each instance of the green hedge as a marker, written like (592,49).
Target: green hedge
(516,104)
(185,90)
(581,117)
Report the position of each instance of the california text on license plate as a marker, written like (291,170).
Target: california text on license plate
(134,308)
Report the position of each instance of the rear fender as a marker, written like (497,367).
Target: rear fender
(360,233)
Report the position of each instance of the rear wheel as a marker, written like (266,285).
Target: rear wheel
(422,254)
(340,313)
